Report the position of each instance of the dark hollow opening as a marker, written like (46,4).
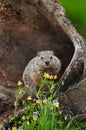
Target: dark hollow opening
(20,40)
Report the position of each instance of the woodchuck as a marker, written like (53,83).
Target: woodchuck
(43,62)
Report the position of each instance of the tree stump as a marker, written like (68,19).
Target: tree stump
(29,26)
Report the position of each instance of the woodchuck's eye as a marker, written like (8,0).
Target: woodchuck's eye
(42,58)
(51,57)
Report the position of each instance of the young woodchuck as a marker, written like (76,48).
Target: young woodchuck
(43,62)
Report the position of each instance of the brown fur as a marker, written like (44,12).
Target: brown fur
(44,61)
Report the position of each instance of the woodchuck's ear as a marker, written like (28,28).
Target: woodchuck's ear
(38,53)
(52,52)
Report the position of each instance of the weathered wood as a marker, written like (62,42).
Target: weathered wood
(74,99)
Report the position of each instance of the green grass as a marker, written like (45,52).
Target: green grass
(42,112)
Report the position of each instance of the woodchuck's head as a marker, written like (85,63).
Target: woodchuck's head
(47,59)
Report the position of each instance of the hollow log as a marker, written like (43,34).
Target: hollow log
(29,26)
(74,98)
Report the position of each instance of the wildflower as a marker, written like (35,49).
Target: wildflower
(45,101)
(14,128)
(46,75)
(38,101)
(19,83)
(20,128)
(51,77)
(56,103)
(29,98)
(55,77)
(35,116)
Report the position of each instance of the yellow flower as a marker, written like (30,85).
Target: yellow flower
(34,118)
(46,76)
(19,83)
(55,76)
(45,101)
(14,128)
(56,103)
(37,101)
(51,77)
(29,98)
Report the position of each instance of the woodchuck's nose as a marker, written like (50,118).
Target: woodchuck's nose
(46,63)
